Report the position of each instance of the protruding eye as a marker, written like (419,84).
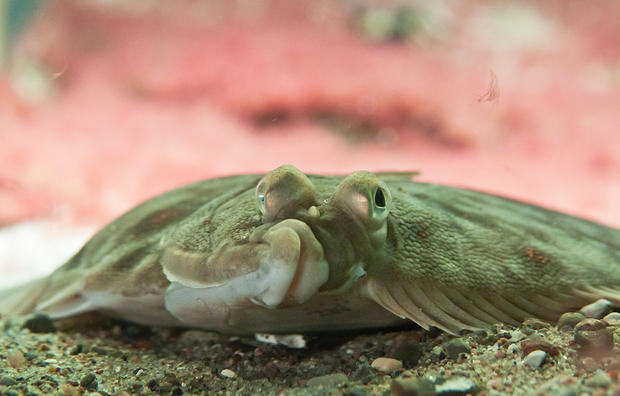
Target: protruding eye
(379,198)
(368,199)
(261,190)
(281,193)
(381,201)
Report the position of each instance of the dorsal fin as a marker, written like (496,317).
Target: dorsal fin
(397,175)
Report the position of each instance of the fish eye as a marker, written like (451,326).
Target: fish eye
(281,193)
(260,194)
(379,198)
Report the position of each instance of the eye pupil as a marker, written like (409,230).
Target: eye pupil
(380,198)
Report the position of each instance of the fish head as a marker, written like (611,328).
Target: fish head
(276,246)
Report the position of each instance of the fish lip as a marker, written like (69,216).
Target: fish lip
(287,268)
(312,269)
(291,242)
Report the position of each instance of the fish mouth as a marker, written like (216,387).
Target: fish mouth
(282,265)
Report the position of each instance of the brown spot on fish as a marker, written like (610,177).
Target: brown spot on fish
(536,255)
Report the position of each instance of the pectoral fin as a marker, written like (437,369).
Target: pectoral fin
(452,309)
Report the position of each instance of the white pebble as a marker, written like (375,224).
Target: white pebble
(534,359)
(50,361)
(16,358)
(597,309)
(227,373)
(386,365)
(613,319)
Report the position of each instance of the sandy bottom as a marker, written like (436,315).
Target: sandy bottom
(94,354)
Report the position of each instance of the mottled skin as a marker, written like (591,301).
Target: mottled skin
(293,253)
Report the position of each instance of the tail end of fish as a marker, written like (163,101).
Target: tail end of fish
(22,299)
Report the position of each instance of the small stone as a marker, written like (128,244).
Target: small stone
(529,325)
(536,324)
(456,386)
(293,341)
(536,342)
(228,373)
(590,325)
(16,358)
(386,365)
(600,379)
(408,352)
(593,336)
(329,380)
(534,359)
(612,319)
(89,381)
(7,381)
(568,320)
(40,323)
(597,309)
(455,347)
(412,387)
(76,349)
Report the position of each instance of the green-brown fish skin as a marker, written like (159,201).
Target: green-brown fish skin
(286,252)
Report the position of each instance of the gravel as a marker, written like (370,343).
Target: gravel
(96,355)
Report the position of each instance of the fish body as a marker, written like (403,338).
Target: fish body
(288,252)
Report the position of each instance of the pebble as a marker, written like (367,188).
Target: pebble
(412,387)
(536,342)
(534,359)
(89,382)
(386,365)
(590,325)
(568,320)
(593,336)
(293,341)
(408,352)
(456,386)
(455,347)
(532,324)
(612,319)
(597,309)
(600,379)
(329,380)
(536,324)
(228,373)
(40,323)
(16,358)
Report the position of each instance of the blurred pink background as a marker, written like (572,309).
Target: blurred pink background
(105,104)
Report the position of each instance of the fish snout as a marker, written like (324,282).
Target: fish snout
(281,266)
(294,263)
